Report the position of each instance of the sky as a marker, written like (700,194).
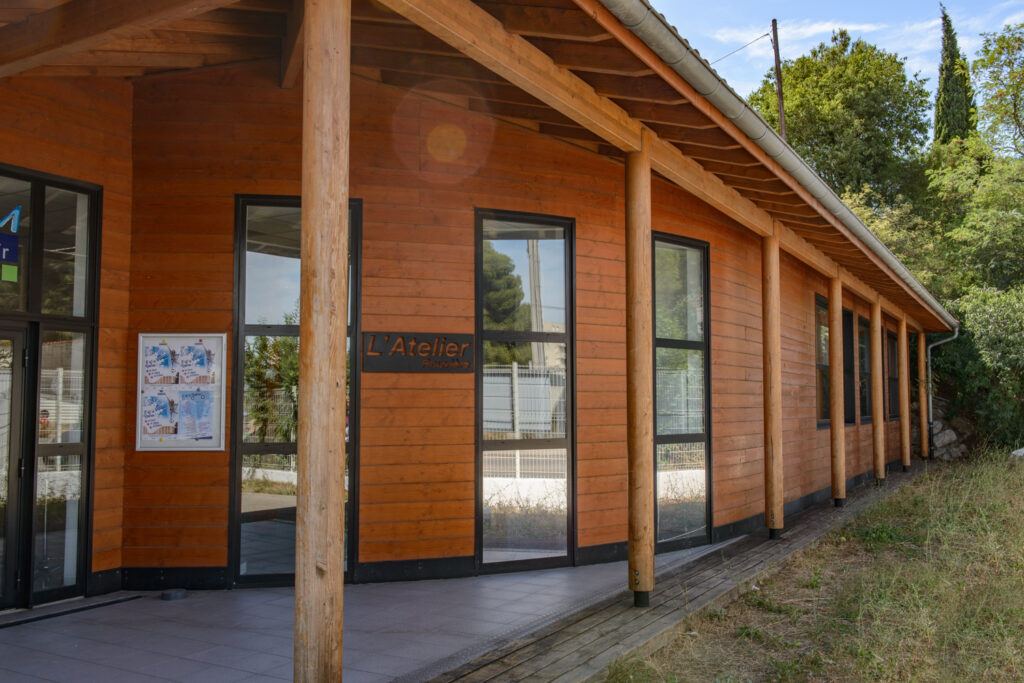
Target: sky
(910,28)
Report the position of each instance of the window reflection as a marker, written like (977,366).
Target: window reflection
(679,383)
(272,265)
(682,489)
(57,508)
(523,399)
(65,252)
(61,387)
(524,504)
(523,277)
(271,399)
(678,293)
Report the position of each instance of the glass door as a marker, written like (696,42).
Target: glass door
(681,441)
(12,344)
(57,512)
(267,387)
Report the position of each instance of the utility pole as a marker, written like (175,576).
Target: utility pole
(778,78)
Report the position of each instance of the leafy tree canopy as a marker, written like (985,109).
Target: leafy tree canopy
(1000,76)
(853,113)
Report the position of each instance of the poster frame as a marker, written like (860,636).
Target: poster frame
(217,342)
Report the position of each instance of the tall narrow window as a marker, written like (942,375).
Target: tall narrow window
(821,358)
(523,314)
(266,395)
(680,390)
(864,357)
(849,377)
(893,375)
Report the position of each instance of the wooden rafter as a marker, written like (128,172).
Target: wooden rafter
(292,45)
(479,36)
(80,25)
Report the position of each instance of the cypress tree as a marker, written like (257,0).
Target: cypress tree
(954,103)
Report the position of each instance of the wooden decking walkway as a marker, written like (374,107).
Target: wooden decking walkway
(580,646)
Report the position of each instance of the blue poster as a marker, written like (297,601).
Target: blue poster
(195,415)
(9,248)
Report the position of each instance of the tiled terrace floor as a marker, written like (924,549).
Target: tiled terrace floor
(564,624)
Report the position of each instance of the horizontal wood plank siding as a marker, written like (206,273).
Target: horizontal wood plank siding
(199,139)
(81,129)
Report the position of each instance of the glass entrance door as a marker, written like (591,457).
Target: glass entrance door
(12,344)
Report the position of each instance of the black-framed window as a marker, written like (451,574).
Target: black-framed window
(893,376)
(849,374)
(265,389)
(822,405)
(524,388)
(49,256)
(682,444)
(864,367)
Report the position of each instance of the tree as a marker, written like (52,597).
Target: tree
(978,201)
(503,307)
(853,113)
(954,102)
(1000,75)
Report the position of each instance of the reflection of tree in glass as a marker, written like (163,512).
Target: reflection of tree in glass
(503,306)
(271,386)
(678,305)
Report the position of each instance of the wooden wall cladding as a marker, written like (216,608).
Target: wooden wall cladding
(199,139)
(737,400)
(81,129)
(421,167)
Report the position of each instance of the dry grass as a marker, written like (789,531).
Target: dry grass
(925,586)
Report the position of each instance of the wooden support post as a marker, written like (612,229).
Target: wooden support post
(640,373)
(837,415)
(771,346)
(922,391)
(904,370)
(320,509)
(877,395)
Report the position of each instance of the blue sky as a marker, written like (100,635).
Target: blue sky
(910,28)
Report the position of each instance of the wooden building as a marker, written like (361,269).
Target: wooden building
(590,298)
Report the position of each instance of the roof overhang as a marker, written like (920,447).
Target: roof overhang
(595,73)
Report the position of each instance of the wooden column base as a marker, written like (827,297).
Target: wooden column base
(641,598)
(774,534)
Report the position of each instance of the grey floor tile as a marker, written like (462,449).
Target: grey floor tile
(237,658)
(8,676)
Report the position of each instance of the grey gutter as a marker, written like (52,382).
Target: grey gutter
(650,27)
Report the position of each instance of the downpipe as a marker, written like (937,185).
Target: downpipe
(931,419)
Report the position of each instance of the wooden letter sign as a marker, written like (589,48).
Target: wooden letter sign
(417,352)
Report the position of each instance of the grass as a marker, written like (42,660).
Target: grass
(279,488)
(927,585)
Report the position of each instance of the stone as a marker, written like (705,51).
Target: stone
(945,438)
(1017,456)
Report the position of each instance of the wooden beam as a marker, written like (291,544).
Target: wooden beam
(667,160)
(546,22)
(483,38)
(320,508)
(904,384)
(640,88)
(292,45)
(599,58)
(922,392)
(674,114)
(805,252)
(80,25)
(639,373)
(837,414)
(877,395)
(771,330)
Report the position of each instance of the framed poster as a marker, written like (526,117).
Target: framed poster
(180,404)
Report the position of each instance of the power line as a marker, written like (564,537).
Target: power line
(763,35)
